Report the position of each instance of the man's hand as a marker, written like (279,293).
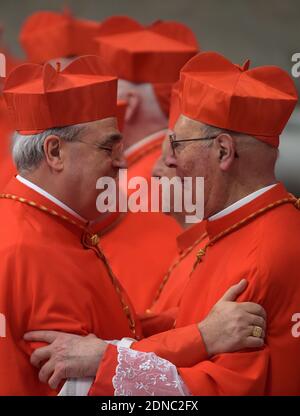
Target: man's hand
(229,325)
(66,356)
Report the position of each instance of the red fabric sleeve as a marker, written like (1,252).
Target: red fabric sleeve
(102,385)
(184,347)
(156,323)
(235,374)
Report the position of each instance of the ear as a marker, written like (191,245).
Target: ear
(226,150)
(54,153)
(133,99)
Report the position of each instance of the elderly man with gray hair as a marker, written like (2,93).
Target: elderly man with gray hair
(52,268)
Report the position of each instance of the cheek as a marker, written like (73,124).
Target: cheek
(98,164)
(190,165)
(102,165)
(88,167)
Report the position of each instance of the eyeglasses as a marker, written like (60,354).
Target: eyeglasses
(173,141)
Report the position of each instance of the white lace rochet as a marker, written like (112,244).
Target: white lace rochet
(146,374)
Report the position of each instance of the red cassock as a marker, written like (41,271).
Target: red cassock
(259,242)
(50,278)
(7,167)
(141,245)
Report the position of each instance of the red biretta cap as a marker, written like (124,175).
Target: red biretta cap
(40,97)
(257,102)
(83,33)
(152,54)
(175,106)
(47,35)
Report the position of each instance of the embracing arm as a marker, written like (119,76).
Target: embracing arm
(227,328)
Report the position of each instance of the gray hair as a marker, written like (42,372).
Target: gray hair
(243,141)
(211,131)
(28,151)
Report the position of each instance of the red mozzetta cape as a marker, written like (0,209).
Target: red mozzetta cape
(141,245)
(48,280)
(265,250)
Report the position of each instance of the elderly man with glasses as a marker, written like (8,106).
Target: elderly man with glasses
(52,268)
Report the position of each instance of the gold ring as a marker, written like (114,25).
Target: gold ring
(257,331)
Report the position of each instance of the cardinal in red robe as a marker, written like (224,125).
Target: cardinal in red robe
(50,257)
(253,235)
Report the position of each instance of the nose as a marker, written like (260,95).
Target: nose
(120,162)
(170,161)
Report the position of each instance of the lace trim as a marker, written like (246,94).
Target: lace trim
(146,374)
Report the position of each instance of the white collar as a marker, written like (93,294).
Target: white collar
(144,141)
(50,197)
(240,203)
